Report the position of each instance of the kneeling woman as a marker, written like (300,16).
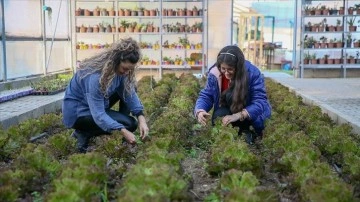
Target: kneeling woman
(236,90)
(99,83)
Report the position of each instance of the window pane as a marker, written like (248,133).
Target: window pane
(23,18)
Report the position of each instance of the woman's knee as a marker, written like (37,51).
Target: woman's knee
(132,124)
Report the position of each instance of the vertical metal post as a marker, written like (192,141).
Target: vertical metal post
(3,40)
(43,30)
(232,21)
(71,15)
(161,39)
(294,35)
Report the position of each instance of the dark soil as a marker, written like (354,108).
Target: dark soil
(203,183)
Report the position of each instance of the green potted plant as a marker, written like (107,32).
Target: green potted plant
(351,21)
(349,40)
(357,8)
(307,58)
(339,27)
(313,59)
(123,25)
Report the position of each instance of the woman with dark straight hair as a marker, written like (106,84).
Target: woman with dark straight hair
(100,82)
(235,89)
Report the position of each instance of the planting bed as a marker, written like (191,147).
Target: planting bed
(303,156)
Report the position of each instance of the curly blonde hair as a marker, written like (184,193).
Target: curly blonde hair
(125,50)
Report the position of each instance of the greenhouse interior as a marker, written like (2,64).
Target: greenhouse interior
(179,100)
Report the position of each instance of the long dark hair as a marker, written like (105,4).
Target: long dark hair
(238,89)
(107,62)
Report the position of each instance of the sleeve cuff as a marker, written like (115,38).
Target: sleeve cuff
(139,113)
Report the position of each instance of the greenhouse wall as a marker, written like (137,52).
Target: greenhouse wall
(26,54)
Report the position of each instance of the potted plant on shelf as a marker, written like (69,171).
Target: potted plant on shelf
(123,25)
(141,11)
(351,21)
(96,28)
(104,12)
(333,11)
(322,60)
(127,12)
(329,60)
(324,10)
(79,12)
(146,12)
(121,12)
(322,25)
(317,10)
(350,59)
(307,58)
(87,12)
(323,43)
(357,43)
(96,11)
(331,43)
(341,10)
(113,28)
(350,10)
(134,12)
(108,28)
(357,9)
(83,29)
(349,40)
(195,11)
(339,43)
(111,12)
(313,59)
(102,28)
(339,27)
(180,12)
(131,26)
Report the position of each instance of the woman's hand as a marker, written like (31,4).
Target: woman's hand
(202,117)
(144,130)
(129,136)
(229,119)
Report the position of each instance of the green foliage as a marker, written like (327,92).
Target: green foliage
(82,179)
(157,182)
(62,144)
(227,153)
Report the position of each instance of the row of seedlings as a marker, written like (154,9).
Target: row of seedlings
(122,156)
(158,172)
(15,137)
(238,168)
(336,142)
(113,158)
(295,155)
(34,165)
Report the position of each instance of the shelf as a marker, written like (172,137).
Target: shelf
(350,66)
(307,32)
(161,22)
(322,49)
(177,17)
(181,33)
(323,66)
(138,33)
(87,17)
(324,16)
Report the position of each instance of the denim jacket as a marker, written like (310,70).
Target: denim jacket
(258,106)
(84,98)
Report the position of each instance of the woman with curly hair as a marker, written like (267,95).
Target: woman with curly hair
(98,84)
(236,90)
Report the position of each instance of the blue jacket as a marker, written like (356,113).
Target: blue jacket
(84,98)
(258,106)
